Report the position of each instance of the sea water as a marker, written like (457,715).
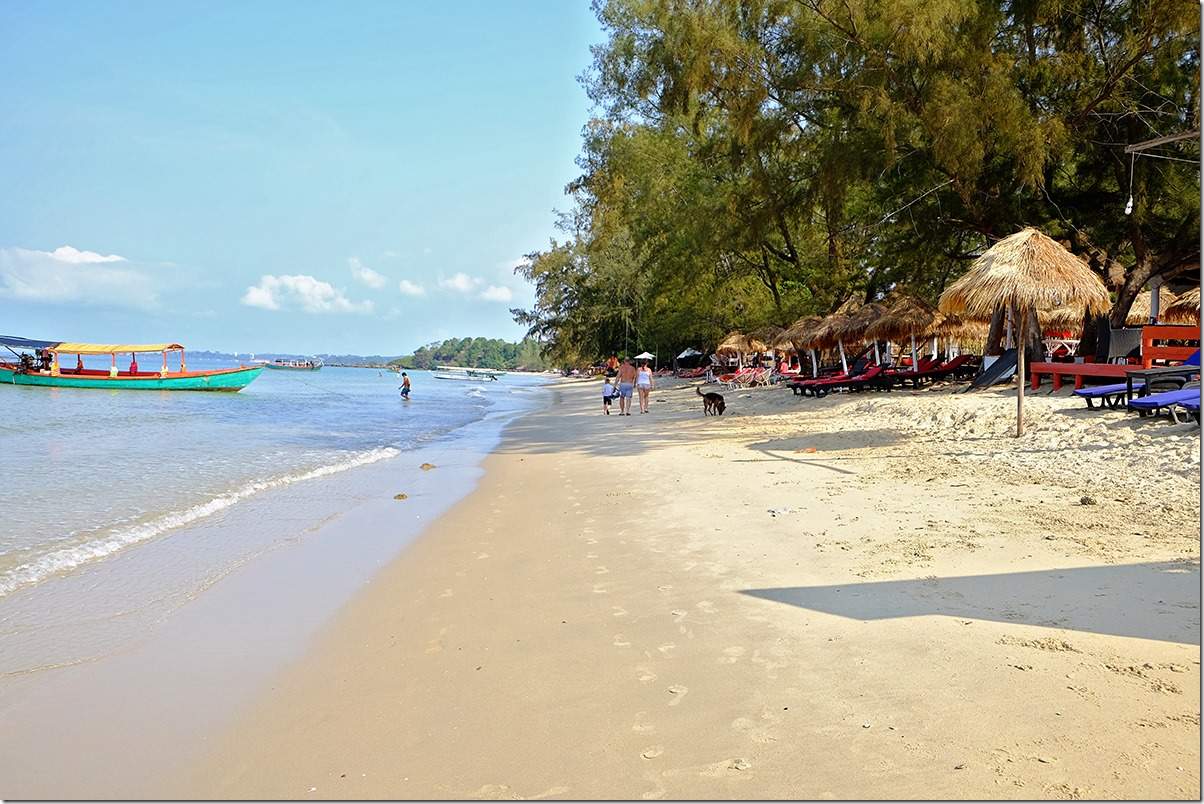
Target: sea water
(121,506)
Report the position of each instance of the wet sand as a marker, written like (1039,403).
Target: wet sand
(873,596)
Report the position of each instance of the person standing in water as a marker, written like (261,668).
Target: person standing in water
(405,385)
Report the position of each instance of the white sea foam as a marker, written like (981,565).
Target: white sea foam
(66,559)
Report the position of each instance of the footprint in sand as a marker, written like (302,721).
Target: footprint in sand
(645,675)
(678,691)
(446,593)
(705,606)
(601,571)
(665,588)
(591,541)
(482,555)
(652,751)
(667,648)
(641,724)
(618,611)
(600,589)
(731,655)
(678,614)
(591,555)
(621,641)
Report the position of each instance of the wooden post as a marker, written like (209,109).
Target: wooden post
(877,356)
(915,362)
(183,365)
(843,362)
(113,364)
(1020,344)
(1155,298)
(814,364)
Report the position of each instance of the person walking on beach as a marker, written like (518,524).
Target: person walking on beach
(643,384)
(626,383)
(405,386)
(608,394)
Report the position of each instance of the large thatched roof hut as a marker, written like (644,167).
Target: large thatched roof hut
(1139,313)
(906,317)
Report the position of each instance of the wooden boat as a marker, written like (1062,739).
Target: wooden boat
(280,364)
(44,368)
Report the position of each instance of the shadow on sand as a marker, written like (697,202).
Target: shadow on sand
(1150,601)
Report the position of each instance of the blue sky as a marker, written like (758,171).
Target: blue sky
(300,177)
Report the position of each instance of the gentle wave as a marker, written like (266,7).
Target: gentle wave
(68,558)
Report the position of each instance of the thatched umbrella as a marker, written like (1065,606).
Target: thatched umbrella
(907,316)
(1025,271)
(1061,318)
(856,325)
(768,334)
(830,331)
(802,334)
(1139,313)
(740,344)
(1185,309)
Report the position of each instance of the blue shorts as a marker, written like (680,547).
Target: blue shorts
(625,390)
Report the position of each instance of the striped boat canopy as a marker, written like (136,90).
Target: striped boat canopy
(111,348)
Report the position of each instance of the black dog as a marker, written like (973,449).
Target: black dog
(712,403)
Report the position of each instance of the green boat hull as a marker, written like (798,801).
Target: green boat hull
(219,380)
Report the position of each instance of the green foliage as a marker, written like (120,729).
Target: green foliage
(476,353)
(762,159)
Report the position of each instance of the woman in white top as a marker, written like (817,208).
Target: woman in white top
(643,384)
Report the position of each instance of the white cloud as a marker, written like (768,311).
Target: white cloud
(365,275)
(300,291)
(497,293)
(460,283)
(77,257)
(68,275)
(411,288)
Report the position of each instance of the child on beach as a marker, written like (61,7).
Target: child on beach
(608,393)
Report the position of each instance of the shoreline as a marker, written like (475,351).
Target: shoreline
(168,676)
(777,603)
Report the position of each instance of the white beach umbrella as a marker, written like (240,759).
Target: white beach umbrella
(689,352)
(645,356)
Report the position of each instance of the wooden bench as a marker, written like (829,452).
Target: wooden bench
(1057,371)
(1153,336)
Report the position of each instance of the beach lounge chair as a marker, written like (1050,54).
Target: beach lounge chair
(858,382)
(736,380)
(1150,405)
(1190,406)
(1109,396)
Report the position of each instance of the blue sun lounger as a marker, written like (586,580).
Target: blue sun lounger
(1191,407)
(1108,396)
(1147,405)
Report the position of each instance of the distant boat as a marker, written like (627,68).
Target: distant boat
(461,373)
(39,364)
(294,365)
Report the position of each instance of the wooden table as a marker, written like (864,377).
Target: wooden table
(1149,375)
(1057,371)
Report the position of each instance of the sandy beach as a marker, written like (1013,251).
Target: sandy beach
(864,596)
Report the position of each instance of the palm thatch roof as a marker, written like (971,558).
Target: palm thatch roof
(855,325)
(1139,313)
(830,330)
(739,343)
(1061,318)
(907,316)
(952,326)
(770,335)
(802,332)
(1185,309)
(1026,270)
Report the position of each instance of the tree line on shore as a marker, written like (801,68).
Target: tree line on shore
(755,161)
(492,353)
